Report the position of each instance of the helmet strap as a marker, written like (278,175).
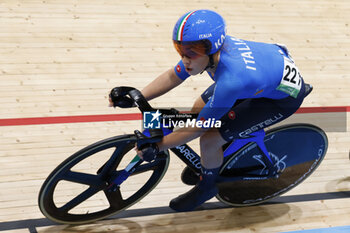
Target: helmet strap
(211,64)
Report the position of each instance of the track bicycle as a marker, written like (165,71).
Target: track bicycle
(255,169)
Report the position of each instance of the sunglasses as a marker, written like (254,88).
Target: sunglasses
(191,50)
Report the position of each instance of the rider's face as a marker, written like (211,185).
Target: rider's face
(195,65)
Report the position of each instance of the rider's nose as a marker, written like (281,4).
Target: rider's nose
(186,60)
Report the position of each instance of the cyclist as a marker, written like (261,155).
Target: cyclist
(255,85)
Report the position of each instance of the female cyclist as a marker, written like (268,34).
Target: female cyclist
(255,85)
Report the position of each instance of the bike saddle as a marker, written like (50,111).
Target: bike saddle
(308,89)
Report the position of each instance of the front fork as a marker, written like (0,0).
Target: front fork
(131,167)
(124,174)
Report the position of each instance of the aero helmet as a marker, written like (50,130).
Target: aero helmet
(199,32)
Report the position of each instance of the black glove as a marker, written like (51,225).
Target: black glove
(149,151)
(119,100)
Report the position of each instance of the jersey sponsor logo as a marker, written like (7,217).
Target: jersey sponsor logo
(232,115)
(178,68)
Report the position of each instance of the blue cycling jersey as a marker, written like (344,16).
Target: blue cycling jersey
(246,70)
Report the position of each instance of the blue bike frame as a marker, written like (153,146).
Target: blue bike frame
(192,159)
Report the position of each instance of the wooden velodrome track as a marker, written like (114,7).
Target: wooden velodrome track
(61,58)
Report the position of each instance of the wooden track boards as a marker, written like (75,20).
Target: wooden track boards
(62,58)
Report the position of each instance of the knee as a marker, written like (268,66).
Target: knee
(205,141)
(211,140)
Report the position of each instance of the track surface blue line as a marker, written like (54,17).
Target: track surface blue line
(342,229)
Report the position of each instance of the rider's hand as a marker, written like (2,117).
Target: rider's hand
(148,151)
(110,102)
(117,100)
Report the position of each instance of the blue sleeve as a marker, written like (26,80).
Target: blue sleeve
(180,71)
(225,94)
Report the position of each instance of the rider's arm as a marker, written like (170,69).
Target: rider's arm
(225,94)
(162,84)
(179,137)
(166,81)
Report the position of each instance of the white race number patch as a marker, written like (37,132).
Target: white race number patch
(291,79)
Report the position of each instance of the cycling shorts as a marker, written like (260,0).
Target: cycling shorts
(250,115)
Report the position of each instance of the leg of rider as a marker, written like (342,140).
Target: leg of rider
(211,149)
(255,114)
(206,143)
(211,158)
(188,176)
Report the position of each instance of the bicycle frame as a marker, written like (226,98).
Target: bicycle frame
(184,152)
(192,159)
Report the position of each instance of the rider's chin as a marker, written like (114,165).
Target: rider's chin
(192,71)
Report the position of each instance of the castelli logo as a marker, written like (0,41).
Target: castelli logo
(232,115)
(178,68)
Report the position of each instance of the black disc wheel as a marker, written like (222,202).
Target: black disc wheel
(77,190)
